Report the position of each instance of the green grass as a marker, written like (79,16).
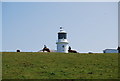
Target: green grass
(35,65)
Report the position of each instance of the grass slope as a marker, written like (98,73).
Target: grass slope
(35,65)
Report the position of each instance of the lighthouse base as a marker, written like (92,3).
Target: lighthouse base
(62,47)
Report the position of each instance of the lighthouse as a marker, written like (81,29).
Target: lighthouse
(62,43)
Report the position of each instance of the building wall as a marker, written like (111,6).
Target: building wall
(62,48)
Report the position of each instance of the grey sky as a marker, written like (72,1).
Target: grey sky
(91,26)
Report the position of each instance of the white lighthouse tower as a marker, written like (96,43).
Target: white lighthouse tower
(62,43)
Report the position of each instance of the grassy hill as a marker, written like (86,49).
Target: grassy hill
(35,65)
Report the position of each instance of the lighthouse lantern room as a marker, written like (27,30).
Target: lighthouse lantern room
(62,43)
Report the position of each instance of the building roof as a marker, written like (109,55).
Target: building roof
(61,30)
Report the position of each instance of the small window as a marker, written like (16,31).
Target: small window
(62,36)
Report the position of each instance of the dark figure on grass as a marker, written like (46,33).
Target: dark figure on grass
(17,50)
(118,49)
(71,51)
(45,49)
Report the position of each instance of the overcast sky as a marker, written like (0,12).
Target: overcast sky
(91,26)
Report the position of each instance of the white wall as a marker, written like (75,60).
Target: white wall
(61,49)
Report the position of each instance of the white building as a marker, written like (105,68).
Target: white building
(110,51)
(62,43)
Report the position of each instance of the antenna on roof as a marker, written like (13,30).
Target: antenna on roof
(60,27)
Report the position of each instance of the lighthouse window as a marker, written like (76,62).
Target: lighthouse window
(61,35)
(63,46)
